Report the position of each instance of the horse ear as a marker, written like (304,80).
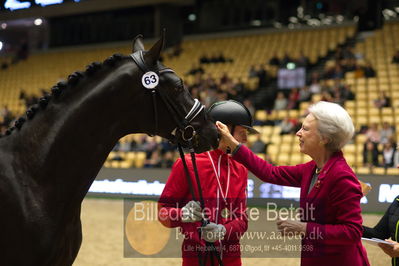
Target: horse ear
(155,52)
(138,43)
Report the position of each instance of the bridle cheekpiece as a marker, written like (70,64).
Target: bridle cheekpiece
(150,81)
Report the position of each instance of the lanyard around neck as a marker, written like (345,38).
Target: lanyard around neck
(217,174)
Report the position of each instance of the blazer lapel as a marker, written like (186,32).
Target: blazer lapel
(306,180)
(318,186)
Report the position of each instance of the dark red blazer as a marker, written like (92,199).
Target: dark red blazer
(334,230)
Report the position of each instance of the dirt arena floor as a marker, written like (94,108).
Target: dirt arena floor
(103,240)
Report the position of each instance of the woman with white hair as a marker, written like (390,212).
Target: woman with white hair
(331,222)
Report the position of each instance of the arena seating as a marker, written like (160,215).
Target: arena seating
(44,70)
(258,49)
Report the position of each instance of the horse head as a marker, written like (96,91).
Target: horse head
(184,119)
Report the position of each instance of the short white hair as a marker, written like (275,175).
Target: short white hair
(334,123)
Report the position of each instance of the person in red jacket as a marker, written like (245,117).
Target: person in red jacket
(223,185)
(331,224)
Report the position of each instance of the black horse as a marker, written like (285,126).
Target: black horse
(49,159)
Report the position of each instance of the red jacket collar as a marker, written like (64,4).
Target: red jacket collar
(217,153)
(333,159)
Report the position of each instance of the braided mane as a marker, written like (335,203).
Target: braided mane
(58,89)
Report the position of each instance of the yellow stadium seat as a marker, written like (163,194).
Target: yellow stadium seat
(261,115)
(363,170)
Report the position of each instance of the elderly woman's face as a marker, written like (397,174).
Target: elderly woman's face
(309,137)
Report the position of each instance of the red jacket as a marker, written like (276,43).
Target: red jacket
(177,193)
(334,232)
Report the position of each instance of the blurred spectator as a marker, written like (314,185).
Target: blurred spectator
(286,126)
(154,160)
(133,145)
(304,94)
(349,65)
(359,71)
(147,145)
(281,102)
(195,69)
(386,133)
(210,97)
(338,99)
(22,95)
(4,111)
(293,99)
(274,61)
(29,100)
(302,60)
(176,50)
(314,83)
(395,58)
(349,94)
(373,134)
(220,58)
(348,53)
(339,54)
(195,93)
(388,155)
(262,76)
(7,116)
(253,73)
(240,90)
(369,71)
(4,65)
(216,58)
(326,96)
(396,158)
(250,106)
(221,96)
(225,78)
(382,101)
(204,59)
(167,160)
(157,154)
(346,61)
(370,154)
(124,145)
(259,146)
(338,72)
(286,59)
(166,146)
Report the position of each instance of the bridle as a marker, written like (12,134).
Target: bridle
(187,132)
(183,121)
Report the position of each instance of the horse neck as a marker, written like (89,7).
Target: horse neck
(65,145)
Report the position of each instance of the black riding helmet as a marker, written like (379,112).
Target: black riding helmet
(232,113)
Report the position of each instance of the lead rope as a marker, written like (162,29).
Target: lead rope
(188,176)
(210,246)
(191,187)
(211,250)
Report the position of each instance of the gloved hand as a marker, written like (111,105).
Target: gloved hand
(191,212)
(213,232)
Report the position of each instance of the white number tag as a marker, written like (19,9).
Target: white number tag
(150,80)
